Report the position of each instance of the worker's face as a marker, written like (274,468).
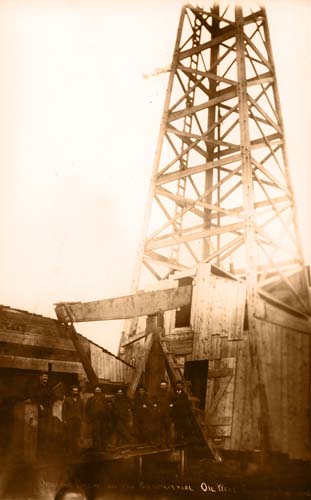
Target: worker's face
(75,392)
(98,390)
(141,391)
(44,378)
(163,386)
(120,394)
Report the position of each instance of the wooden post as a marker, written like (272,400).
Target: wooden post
(85,360)
(155,365)
(250,247)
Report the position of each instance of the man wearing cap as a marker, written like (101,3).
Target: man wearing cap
(181,413)
(72,414)
(122,415)
(96,412)
(164,402)
(39,391)
(141,414)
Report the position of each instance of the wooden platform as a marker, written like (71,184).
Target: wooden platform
(124,452)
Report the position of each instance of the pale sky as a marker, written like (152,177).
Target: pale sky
(79,126)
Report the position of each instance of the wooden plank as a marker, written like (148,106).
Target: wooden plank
(215,420)
(10,361)
(220,372)
(140,367)
(284,391)
(268,351)
(276,315)
(29,351)
(36,339)
(84,354)
(179,347)
(220,393)
(166,242)
(222,35)
(242,435)
(129,306)
(201,313)
(180,174)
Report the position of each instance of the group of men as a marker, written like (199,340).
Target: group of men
(118,420)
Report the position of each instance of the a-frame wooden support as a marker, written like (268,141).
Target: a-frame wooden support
(153,332)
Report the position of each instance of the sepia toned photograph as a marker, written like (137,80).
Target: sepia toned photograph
(155,250)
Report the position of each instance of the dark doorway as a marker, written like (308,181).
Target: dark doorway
(183,313)
(197,372)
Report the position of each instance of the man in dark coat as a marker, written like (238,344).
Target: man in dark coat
(155,423)
(97,413)
(72,414)
(122,416)
(141,415)
(181,414)
(39,392)
(164,402)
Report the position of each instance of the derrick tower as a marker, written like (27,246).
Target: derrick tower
(220,188)
(221,197)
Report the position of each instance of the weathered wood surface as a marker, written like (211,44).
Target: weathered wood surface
(220,396)
(273,314)
(36,340)
(140,366)
(179,341)
(108,367)
(20,362)
(129,306)
(217,314)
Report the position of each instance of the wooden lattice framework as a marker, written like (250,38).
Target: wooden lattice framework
(220,189)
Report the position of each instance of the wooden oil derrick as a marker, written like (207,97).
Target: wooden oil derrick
(220,191)
(221,198)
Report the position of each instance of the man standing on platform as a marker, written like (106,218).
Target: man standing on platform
(72,414)
(141,414)
(96,412)
(122,415)
(181,414)
(39,392)
(165,405)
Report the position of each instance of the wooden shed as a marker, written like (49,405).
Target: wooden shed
(31,343)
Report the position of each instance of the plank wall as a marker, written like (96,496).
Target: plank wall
(218,310)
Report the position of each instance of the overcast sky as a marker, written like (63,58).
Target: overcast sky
(79,126)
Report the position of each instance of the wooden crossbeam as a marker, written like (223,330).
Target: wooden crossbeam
(129,306)
(154,244)
(164,179)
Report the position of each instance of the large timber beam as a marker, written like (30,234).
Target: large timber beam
(129,306)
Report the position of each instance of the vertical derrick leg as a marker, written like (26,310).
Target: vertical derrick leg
(250,247)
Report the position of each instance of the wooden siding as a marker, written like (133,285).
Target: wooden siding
(217,319)
(285,356)
(217,315)
(220,396)
(108,367)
